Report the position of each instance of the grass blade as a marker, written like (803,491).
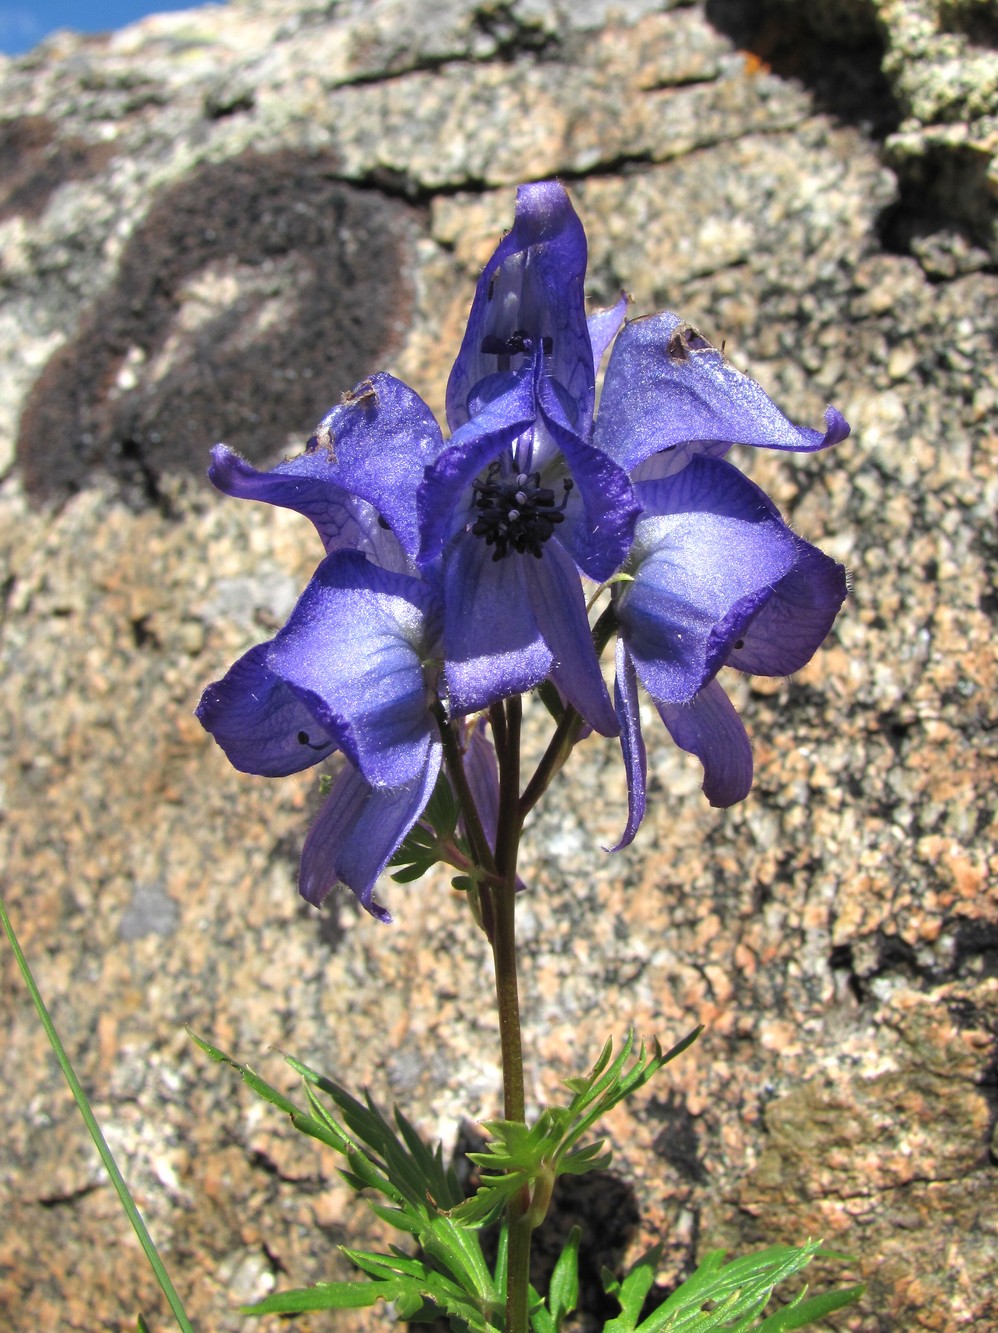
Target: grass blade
(100,1143)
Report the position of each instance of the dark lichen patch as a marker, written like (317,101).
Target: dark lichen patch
(35,160)
(253,293)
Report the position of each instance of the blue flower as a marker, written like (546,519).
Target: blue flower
(716,578)
(505,513)
(669,395)
(352,670)
(451,578)
(519,500)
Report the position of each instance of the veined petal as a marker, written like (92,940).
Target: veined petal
(481,768)
(708,553)
(666,464)
(559,606)
(532,288)
(382,436)
(492,644)
(709,727)
(358,830)
(632,745)
(604,325)
(372,447)
(795,619)
(666,386)
(306,485)
(600,517)
(260,723)
(471,449)
(353,650)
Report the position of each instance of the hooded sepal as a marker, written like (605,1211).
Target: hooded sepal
(666,386)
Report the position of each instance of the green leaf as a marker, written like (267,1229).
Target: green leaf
(410,873)
(548,694)
(416,1191)
(325,1296)
(140,1325)
(726,1297)
(632,1291)
(808,1311)
(563,1291)
(93,1128)
(518,1155)
(442,809)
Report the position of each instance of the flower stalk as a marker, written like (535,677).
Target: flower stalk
(506,719)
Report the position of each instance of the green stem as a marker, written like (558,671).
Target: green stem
(110,1166)
(506,730)
(566,733)
(560,746)
(504,901)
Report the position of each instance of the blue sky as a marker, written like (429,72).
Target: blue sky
(23,23)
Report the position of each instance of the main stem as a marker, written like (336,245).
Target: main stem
(506,730)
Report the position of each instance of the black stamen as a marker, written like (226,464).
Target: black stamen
(516,513)
(519,342)
(304,740)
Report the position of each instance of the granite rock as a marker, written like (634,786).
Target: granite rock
(938,116)
(212,224)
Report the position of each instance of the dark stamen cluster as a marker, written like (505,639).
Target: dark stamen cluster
(518,343)
(516,513)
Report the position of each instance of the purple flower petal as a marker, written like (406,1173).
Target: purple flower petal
(357,832)
(559,606)
(305,484)
(666,464)
(600,517)
(709,727)
(708,553)
(531,291)
(604,325)
(632,745)
(374,446)
(383,436)
(795,619)
(259,722)
(481,767)
(666,386)
(492,645)
(353,650)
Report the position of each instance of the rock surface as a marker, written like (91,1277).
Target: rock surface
(212,223)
